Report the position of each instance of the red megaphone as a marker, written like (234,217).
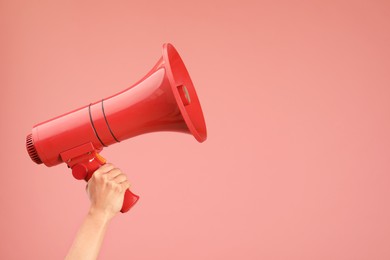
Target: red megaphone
(164,100)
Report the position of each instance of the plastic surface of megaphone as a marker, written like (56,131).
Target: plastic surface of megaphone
(164,100)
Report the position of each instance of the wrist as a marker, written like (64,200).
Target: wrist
(100,215)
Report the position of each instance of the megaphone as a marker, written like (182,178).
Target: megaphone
(164,100)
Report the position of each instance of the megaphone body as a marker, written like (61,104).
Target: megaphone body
(164,100)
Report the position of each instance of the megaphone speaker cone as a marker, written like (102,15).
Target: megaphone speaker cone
(184,92)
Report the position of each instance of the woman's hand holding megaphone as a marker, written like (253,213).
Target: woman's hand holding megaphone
(106,189)
(109,179)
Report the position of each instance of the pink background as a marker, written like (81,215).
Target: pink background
(296,96)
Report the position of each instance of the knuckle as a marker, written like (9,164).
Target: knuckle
(126,184)
(98,175)
(94,178)
(105,178)
(111,185)
(118,188)
(120,177)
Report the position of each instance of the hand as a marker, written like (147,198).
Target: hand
(106,190)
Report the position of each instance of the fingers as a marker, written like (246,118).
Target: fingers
(112,174)
(116,175)
(120,178)
(109,173)
(105,168)
(125,185)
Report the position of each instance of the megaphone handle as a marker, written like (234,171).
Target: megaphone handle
(129,200)
(85,171)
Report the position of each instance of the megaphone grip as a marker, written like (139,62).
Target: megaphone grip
(129,198)
(128,201)
(87,167)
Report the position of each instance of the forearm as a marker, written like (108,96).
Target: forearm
(106,190)
(89,237)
